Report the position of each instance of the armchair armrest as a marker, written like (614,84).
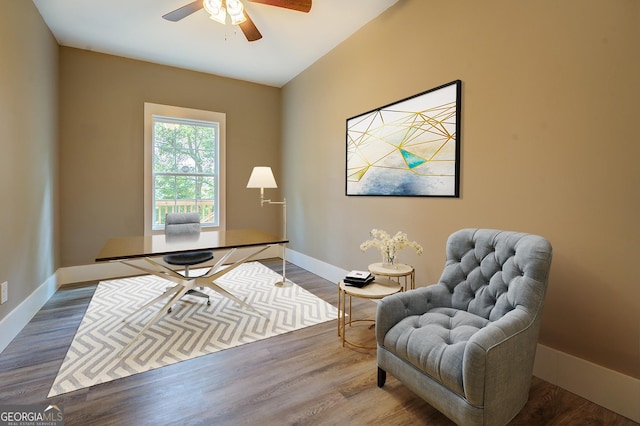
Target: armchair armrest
(392,309)
(498,356)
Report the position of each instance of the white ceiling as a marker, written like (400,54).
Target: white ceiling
(291,41)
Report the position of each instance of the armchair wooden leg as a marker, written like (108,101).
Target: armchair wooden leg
(382,377)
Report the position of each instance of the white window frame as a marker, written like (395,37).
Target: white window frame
(151,109)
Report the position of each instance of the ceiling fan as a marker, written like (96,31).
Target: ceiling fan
(237,14)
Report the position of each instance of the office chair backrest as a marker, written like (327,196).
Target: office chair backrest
(182,224)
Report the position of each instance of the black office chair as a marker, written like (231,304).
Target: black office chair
(185,227)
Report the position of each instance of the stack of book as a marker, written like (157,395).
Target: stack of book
(358,278)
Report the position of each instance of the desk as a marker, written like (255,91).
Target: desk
(157,245)
(126,249)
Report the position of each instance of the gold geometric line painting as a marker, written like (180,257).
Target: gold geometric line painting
(408,148)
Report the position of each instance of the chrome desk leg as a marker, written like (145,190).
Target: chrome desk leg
(184,285)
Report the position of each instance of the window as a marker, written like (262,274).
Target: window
(184,165)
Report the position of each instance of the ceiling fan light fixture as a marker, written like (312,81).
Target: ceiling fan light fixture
(216,11)
(235,9)
(219,10)
(234,6)
(237,19)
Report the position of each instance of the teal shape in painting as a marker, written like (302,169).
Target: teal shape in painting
(412,160)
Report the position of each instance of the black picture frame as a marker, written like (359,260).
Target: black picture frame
(409,148)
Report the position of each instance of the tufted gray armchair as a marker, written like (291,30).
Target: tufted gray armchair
(467,344)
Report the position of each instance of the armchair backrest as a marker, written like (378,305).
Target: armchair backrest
(490,272)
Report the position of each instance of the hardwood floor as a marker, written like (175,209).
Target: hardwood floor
(300,378)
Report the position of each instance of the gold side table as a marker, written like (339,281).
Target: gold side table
(405,275)
(377,289)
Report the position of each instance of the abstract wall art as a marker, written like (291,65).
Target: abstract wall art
(407,148)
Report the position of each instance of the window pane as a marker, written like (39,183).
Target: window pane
(163,159)
(184,148)
(207,187)
(208,162)
(163,198)
(164,187)
(185,188)
(185,194)
(208,213)
(184,168)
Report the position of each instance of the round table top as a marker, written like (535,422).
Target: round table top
(377,289)
(397,270)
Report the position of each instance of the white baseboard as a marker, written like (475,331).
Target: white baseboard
(19,317)
(613,390)
(317,267)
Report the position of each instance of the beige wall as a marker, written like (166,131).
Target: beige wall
(549,146)
(101,144)
(28,138)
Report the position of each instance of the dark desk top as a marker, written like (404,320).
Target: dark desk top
(158,245)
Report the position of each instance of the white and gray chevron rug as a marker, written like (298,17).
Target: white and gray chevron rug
(193,329)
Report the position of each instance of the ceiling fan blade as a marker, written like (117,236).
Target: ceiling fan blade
(184,11)
(299,5)
(249,29)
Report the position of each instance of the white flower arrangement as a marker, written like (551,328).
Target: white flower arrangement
(389,246)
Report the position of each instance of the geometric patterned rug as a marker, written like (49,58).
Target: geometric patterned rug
(192,329)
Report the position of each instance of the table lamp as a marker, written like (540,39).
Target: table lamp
(262,177)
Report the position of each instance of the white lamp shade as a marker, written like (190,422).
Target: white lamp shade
(262,177)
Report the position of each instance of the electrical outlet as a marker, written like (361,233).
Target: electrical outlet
(4,292)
